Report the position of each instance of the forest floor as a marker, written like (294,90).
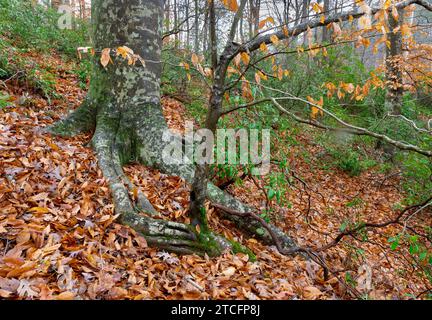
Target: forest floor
(59,238)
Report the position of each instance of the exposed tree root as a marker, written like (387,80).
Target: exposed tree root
(81,120)
(246,223)
(122,137)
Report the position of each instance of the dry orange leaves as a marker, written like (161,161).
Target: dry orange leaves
(59,238)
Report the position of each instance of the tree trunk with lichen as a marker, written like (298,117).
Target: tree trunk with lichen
(124,111)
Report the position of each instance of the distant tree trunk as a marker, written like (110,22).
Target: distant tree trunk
(55,4)
(325,30)
(213,36)
(123,110)
(187,24)
(250,22)
(176,36)
(196,45)
(205,43)
(286,11)
(394,55)
(304,16)
(254,7)
(167,15)
(82,5)
(241,31)
(394,79)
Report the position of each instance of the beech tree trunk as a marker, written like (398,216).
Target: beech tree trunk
(123,110)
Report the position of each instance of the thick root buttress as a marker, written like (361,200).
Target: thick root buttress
(136,135)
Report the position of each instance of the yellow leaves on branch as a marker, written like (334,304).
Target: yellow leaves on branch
(376,81)
(185,65)
(124,52)
(365,21)
(128,54)
(387,4)
(245,58)
(357,92)
(280,73)
(317,8)
(268,20)
(105,57)
(322,19)
(231,5)
(347,87)
(362,41)
(197,63)
(232,71)
(259,75)
(195,59)
(315,111)
(247,90)
(331,88)
(405,30)
(274,39)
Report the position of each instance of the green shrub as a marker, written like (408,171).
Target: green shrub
(33,27)
(4,99)
(350,163)
(82,70)
(26,27)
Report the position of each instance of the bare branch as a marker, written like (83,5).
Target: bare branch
(236,20)
(346,127)
(351,128)
(302,27)
(411,122)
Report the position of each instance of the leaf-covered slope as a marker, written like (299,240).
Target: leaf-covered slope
(59,238)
